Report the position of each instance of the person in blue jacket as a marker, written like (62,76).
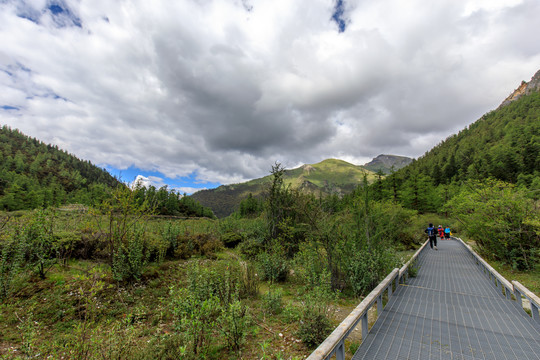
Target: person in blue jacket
(447,233)
(432,233)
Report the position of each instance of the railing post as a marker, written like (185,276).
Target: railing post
(365,326)
(534,310)
(379,305)
(340,351)
(534,301)
(519,302)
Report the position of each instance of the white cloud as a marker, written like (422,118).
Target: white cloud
(212,89)
(147,181)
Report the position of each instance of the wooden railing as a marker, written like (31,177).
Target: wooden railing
(335,343)
(508,288)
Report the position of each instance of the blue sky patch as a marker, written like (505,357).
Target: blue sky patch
(56,9)
(337,16)
(181,184)
(8,107)
(60,14)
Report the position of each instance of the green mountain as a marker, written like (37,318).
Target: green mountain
(34,174)
(387,163)
(330,176)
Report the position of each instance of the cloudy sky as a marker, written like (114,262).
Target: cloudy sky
(197,93)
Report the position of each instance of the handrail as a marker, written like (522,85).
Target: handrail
(534,301)
(488,267)
(405,268)
(514,287)
(335,343)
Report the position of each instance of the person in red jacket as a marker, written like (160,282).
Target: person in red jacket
(440,229)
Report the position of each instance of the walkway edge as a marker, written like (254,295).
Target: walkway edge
(510,288)
(335,342)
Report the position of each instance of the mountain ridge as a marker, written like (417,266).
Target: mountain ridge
(328,177)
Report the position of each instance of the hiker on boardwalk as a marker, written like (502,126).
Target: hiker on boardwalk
(432,233)
(447,233)
(440,229)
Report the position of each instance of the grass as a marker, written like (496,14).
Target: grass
(52,308)
(49,310)
(529,279)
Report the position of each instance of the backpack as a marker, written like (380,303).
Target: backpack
(431,231)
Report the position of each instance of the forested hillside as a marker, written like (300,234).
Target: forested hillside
(502,145)
(34,174)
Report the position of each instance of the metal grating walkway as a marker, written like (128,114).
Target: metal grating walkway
(451,311)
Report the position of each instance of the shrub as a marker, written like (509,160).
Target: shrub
(38,235)
(234,323)
(204,244)
(249,285)
(129,259)
(291,314)
(195,319)
(218,280)
(12,251)
(314,323)
(170,234)
(64,242)
(273,263)
(502,220)
(367,266)
(251,247)
(273,301)
(155,247)
(232,239)
(91,244)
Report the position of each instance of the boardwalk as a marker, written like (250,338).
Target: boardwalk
(451,311)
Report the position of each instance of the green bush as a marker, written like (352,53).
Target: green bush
(273,301)
(170,234)
(64,242)
(129,259)
(273,264)
(12,253)
(249,282)
(251,247)
(195,319)
(232,239)
(220,280)
(315,325)
(366,267)
(502,219)
(233,323)
(202,244)
(291,314)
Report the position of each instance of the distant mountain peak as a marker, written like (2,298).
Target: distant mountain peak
(385,163)
(525,88)
(308,168)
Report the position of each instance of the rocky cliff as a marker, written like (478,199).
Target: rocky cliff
(524,89)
